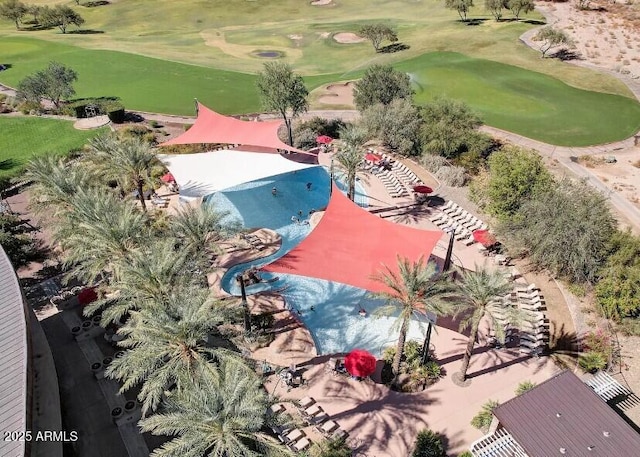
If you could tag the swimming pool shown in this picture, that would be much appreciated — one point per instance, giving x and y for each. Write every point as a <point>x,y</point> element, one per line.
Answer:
<point>328,309</point>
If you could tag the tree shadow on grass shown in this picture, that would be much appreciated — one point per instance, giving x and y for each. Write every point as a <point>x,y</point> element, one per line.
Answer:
<point>395,47</point>
<point>96,3</point>
<point>85,32</point>
<point>5,66</point>
<point>534,22</point>
<point>7,164</point>
<point>35,27</point>
<point>475,21</point>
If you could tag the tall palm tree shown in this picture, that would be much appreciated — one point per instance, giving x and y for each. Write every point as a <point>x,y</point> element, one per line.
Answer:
<point>222,418</point>
<point>98,232</point>
<point>167,345</point>
<point>128,161</point>
<point>55,183</point>
<point>146,276</point>
<point>414,290</point>
<point>199,228</point>
<point>349,157</point>
<point>479,292</point>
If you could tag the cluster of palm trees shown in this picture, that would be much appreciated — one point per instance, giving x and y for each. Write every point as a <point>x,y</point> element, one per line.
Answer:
<point>151,271</point>
<point>417,288</point>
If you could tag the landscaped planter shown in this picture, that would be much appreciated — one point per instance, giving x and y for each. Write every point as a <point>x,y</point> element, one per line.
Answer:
<point>96,319</point>
<point>116,413</point>
<point>76,330</point>
<point>129,406</point>
<point>96,366</point>
<point>106,361</point>
<point>86,325</point>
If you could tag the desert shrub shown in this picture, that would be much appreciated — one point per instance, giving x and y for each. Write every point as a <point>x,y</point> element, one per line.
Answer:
<point>138,131</point>
<point>629,326</point>
<point>466,454</point>
<point>592,361</point>
<point>433,162</point>
<point>30,107</point>
<point>428,444</point>
<point>155,124</point>
<point>304,139</point>
<point>525,386</point>
<point>336,447</point>
<point>452,176</point>
<point>185,148</point>
<point>3,98</point>
<point>483,419</point>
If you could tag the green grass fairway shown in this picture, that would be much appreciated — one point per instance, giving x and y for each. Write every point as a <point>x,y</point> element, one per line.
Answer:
<point>22,138</point>
<point>507,97</point>
<point>525,102</point>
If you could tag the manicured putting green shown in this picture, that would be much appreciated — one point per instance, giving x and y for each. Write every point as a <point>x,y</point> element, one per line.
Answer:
<point>507,97</point>
<point>22,138</point>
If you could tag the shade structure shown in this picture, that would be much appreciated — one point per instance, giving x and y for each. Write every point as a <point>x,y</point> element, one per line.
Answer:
<point>215,128</point>
<point>484,238</point>
<point>350,245</point>
<point>360,363</point>
<point>372,157</point>
<point>202,174</point>
<point>324,139</point>
<point>421,189</point>
<point>168,177</point>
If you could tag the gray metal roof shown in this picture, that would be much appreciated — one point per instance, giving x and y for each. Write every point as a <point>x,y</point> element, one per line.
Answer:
<point>564,416</point>
<point>13,359</point>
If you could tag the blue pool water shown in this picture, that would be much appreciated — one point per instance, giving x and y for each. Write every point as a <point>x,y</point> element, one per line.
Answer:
<point>328,309</point>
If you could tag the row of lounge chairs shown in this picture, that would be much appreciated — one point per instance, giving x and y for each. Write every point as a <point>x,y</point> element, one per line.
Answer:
<point>312,414</point>
<point>392,184</point>
<point>453,217</point>
<point>254,241</point>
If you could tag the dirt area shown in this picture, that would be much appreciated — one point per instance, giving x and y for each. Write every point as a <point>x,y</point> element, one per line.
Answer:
<point>622,176</point>
<point>321,2</point>
<point>602,34</point>
<point>347,38</point>
<point>337,94</point>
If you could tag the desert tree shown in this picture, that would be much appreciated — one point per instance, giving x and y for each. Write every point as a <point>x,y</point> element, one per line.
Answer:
<point>461,6</point>
<point>13,10</point>
<point>54,83</point>
<point>376,33</point>
<point>61,16</point>
<point>520,6</point>
<point>381,84</point>
<point>495,7</point>
<point>283,91</point>
<point>550,38</point>
<point>397,125</point>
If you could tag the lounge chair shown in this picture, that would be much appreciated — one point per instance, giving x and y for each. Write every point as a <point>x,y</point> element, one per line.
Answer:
<point>529,289</point>
<point>306,402</point>
<point>312,410</point>
<point>301,445</point>
<point>448,205</point>
<point>293,435</point>
<point>328,427</point>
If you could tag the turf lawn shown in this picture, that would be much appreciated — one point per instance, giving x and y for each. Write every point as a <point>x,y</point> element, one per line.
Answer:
<point>22,138</point>
<point>506,96</point>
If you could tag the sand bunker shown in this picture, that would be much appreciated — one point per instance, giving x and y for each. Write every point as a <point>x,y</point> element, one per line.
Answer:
<point>347,38</point>
<point>321,2</point>
<point>337,94</point>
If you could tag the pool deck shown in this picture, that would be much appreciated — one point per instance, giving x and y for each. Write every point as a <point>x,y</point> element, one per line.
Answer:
<point>381,422</point>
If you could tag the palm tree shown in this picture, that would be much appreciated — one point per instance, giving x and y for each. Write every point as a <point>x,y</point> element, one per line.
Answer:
<point>98,233</point>
<point>414,289</point>
<point>219,418</point>
<point>199,228</point>
<point>128,161</point>
<point>55,183</point>
<point>349,156</point>
<point>167,345</point>
<point>479,292</point>
<point>146,277</point>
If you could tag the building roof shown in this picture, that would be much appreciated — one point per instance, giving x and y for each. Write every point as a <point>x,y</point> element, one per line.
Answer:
<point>13,359</point>
<point>350,244</point>
<point>565,413</point>
<point>212,127</point>
<point>202,174</point>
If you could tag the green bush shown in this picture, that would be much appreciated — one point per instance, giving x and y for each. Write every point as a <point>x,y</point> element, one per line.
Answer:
<point>433,162</point>
<point>331,448</point>
<point>30,107</point>
<point>483,419</point>
<point>525,386</point>
<point>428,444</point>
<point>452,176</point>
<point>592,361</point>
<point>466,454</point>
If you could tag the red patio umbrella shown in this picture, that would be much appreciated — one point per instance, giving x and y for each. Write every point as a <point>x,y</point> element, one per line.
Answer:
<point>484,238</point>
<point>422,189</point>
<point>168,178</point>
<point>371,157</point>
<point>87,296</point>
<point>360,363</point>
<point>324,139</point>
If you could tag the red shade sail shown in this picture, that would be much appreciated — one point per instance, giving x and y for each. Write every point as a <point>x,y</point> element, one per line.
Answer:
<point>360,363</point>
<point>87,296</point>
<point>422,189</point>
<point>214,128</point>
<point>324,139</point>
<point>350,244</point>
<point>168,178</point>
<point>372,157</point>
<point>484,238</point>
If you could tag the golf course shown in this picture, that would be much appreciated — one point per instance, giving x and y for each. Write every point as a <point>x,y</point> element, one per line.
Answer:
<point>158,56</point>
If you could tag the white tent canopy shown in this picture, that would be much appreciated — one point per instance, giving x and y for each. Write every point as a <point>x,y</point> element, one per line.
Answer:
<point>202,174</point>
